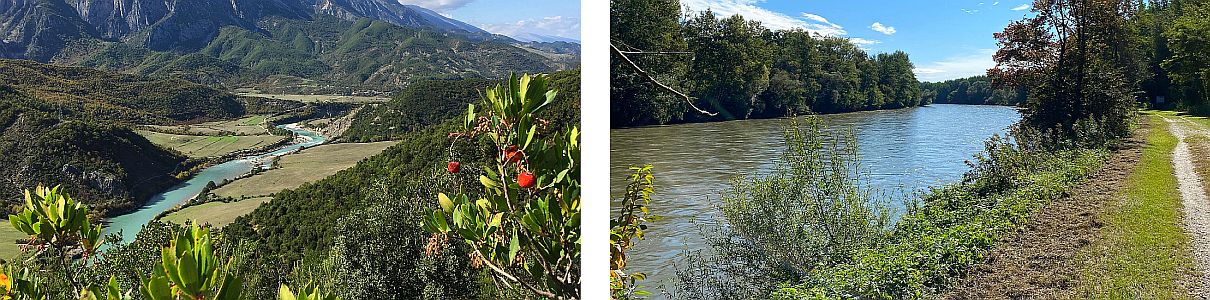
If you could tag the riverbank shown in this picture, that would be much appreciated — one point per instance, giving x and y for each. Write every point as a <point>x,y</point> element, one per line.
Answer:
<point>130,223</point>
<point>1137,229</point>
<point>1038,260</point>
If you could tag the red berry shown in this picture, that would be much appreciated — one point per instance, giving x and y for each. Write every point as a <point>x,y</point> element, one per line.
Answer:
<point>525,180</point>
<point>453,167</point>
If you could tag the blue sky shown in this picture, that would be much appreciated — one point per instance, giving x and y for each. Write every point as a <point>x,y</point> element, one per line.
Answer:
<point>946,39</point>
<point>546,17</point>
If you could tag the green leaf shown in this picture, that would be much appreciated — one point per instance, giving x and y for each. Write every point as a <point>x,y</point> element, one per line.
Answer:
<point>444,202</point>
<point>513,246</point>
<point>284,293</point>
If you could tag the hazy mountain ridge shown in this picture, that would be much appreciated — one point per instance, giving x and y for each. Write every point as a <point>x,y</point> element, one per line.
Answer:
<point>326,46</point>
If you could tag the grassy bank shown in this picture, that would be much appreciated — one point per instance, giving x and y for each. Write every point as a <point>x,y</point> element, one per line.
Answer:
<point>1143,251</point>
<point>310,165</point>
<point>952,228</point>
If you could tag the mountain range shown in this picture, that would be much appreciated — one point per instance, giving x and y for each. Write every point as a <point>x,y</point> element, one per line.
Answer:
<point>300,45</point>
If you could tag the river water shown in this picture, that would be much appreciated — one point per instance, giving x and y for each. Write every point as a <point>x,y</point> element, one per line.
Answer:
<point>902,151</point>
<point>129,224</point>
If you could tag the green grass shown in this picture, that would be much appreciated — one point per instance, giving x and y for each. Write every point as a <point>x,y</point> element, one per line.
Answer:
<point>1144,252</point>
<point>245,126</point>
<point>208,146</point>
<point>218,214</point>
<point>308,166</point>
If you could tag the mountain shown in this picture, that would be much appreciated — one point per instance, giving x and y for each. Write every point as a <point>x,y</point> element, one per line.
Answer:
<point>85,93</point>
<point>393,12</point>
<point>298,46</point>
<point>109,167</point>
<point>542,38</point>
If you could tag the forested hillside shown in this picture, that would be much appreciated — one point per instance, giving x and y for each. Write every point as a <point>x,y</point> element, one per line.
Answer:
<point>738,69</point>
<point>427,103</point>
<point>109,167</point>
<point>973,90</point>
<point>345,46</point>
<point>310,222</point>
<point>82,93</point>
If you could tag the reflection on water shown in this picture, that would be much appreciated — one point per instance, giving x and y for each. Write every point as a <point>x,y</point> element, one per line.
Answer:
<point>902,150</point>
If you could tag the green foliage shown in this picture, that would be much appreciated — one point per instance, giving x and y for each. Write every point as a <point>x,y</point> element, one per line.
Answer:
<point>189,269</point>
<point>740,69</point>
<point>82,93</point>
<point>633,214</point>
<point>1079,69</point>
<point>952,228</point>
<point>306,294</point>
<point>651,26</point>
<point>1187,64</point>
<point>972,90</point>
<point>809,212</point>
<point>109,167</point>
<point>55,219</point>
<point>525,225</point>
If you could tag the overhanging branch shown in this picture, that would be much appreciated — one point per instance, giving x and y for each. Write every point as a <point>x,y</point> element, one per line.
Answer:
<point>640,70</point>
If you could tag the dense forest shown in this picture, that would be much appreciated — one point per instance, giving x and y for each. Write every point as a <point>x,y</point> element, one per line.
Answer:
<point>665,69</point>
<point>107,96</point>
<point>109,167</point>
<point>976,90</point>
<point>429,102</point>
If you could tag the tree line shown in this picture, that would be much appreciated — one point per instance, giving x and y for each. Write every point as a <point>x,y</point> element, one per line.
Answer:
<point>976,90</point>
<point>671,68</point>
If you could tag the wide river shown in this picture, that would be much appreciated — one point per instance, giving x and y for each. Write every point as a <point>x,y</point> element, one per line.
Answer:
<point>902,151</point>
<point>130,224</point>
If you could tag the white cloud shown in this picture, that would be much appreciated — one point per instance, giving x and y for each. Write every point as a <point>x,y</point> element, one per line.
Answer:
<point>1022,7</point>
<point>995,3</point>
<point>887,30</point>
<point>864,42</point>
<point>438,5</point>
<point>970,11</point>
<point>560,26</point>
<point>771,19</point>
<point>959,66</point>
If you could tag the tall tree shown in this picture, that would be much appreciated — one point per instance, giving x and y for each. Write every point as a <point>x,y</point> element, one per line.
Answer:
<point>731,64</point>
<point>1189,41</point>
<point>1075,58</point>
<point>648,26</point>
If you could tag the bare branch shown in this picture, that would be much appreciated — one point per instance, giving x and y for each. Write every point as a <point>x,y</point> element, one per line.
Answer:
<point>640,70</point>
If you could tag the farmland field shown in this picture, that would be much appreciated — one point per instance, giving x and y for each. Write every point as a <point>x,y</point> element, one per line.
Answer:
<point>8,240</point>
<point>209,146</point>
<point>307,166</point>
<point>251,125</point>
<point>319,98</point>
<point>218,214</point>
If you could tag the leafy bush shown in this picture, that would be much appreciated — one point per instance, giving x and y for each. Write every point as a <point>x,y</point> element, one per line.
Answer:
<point>525,226</point>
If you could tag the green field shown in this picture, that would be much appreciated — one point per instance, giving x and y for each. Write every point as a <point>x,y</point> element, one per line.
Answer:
<point>296,169</point>
<point>218,214</point>
<point>8,240</point>
<point>1144,252</point>
<point>318,98</point>
<point>209,146</point>
<point>251,125</point>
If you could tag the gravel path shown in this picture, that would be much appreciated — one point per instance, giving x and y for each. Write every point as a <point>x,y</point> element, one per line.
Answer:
<point>1196,204</point>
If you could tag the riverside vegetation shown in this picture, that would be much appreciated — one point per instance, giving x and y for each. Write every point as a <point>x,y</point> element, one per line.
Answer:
<point>358,234</point>
<point>808,229</point>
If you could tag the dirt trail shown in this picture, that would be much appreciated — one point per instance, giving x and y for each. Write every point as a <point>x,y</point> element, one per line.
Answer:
<point>1036,262</point>
<point>1193,197</point>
